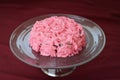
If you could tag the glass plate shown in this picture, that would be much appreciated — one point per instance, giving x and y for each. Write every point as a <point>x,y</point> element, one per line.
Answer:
<point>20,46</point>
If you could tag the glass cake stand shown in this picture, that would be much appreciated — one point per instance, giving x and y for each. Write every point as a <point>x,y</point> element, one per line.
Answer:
<point>53,66</point>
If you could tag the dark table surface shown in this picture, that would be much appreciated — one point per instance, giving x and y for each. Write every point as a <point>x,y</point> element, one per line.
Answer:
<point>105,13</point>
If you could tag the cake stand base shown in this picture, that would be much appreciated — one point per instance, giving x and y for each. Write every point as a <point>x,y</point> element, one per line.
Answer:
<point>58,72</point>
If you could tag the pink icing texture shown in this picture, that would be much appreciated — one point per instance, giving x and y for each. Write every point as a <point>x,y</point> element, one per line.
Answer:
<point>57,37</point>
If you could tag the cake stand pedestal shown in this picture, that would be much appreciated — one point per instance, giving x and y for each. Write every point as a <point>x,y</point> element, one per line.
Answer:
<point>58,72</point>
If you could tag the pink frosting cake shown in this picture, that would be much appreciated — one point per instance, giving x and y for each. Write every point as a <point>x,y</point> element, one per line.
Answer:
<point>57,37</point>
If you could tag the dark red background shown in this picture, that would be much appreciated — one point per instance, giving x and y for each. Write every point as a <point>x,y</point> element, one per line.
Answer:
<point>105,13</point>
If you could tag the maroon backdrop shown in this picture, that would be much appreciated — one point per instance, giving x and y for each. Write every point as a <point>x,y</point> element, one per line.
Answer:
<point>105,13</point>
